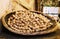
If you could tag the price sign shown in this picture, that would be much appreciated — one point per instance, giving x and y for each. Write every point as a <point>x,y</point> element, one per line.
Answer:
<point>52,11</point>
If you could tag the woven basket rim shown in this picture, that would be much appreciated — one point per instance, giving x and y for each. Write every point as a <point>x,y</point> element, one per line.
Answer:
<point>40,33</point>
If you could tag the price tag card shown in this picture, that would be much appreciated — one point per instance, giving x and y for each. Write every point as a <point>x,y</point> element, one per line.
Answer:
<point>51,10</point>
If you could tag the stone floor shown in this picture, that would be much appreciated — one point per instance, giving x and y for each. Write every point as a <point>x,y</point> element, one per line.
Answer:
<point>5,34</point>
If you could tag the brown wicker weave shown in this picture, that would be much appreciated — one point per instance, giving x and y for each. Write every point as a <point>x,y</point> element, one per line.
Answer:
<point>51,29</point>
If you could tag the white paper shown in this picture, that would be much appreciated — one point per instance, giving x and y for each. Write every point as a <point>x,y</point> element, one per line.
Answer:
<point>53,11</point>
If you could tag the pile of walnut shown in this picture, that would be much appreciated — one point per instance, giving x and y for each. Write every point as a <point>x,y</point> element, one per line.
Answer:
<point>28,22</point>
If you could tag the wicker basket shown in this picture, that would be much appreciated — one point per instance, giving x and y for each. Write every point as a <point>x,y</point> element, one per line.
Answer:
<point>4,21</point>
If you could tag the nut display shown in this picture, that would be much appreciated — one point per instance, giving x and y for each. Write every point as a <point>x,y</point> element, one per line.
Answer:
<point>27,22</point>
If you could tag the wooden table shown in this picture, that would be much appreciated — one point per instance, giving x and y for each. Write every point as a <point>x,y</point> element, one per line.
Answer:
<point>5,34</point>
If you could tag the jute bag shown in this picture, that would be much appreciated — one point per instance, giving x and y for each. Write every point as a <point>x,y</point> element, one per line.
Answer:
<point>3,7</point>
<point>9,5</point>
<point>22,5</point>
